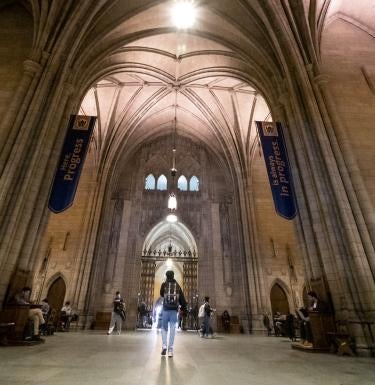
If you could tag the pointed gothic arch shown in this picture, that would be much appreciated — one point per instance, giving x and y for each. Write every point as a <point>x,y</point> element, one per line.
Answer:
<point>56,292</point>
<point>150,182</point>
<point>194,183</point>
<point>279,298</point>
<point>162,183</point>
<point>182,183</point>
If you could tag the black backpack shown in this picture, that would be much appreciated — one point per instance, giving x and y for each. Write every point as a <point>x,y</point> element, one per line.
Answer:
<point>171,294</point>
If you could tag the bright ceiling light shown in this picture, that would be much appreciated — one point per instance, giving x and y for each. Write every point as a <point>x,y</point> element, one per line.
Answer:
<point>183,14</point>
<point>172,202</point>
<point>172,218</point>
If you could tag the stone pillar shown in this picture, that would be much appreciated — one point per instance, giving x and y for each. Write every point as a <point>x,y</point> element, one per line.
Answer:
<point>335,245</point>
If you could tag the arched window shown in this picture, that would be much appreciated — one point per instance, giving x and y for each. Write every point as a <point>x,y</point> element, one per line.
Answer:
<point>150,182</point>
<point>194,183</point>
<point>182,183</point>
<point>162,182</point>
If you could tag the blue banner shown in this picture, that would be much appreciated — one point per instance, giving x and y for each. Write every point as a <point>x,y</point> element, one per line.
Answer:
<point>71,160</point>
<point>277,164</point>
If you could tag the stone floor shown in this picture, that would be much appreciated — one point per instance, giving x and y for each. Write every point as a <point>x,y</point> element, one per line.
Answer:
<point>134,358</point>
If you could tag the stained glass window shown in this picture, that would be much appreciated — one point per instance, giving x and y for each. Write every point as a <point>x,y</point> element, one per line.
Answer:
<point>150,182</point>
<point>194,183</point>
<point>162,182</point>
<point>182,183</point>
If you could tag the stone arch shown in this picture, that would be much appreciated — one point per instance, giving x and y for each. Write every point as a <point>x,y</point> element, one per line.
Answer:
<point>56,291</point>
<point>279,295</point>
<point>53,278</point>
<point>178,232</point>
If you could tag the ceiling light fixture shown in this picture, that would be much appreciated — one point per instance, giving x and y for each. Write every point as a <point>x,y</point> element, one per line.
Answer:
<point>183,14</point>
<point>172,218</point>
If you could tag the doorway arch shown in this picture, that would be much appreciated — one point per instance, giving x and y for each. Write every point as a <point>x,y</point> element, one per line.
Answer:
<point>56,293</point>
<point>279,299</point>
<point>169,246</point>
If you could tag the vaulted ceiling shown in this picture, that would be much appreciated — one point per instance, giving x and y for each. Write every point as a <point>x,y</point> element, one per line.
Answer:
<point>139,73</point>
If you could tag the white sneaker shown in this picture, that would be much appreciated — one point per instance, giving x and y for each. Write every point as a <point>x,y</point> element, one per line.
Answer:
<point>170,353</point>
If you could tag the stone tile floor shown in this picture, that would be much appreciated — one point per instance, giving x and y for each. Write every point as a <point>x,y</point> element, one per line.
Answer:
<point>93,358</point>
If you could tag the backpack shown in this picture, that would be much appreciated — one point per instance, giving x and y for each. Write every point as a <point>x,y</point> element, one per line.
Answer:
<point>171,294</point>
<point>201,311</point>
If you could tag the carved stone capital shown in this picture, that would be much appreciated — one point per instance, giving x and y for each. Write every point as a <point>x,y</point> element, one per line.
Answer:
<point>31,67</point>
<point>68,88</point>
<point>283,99</point>
<point>321,79</point>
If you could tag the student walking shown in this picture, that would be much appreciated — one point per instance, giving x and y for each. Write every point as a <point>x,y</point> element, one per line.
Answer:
<point>118,314</point>
<point>172,297</point>
<point>207,330</point>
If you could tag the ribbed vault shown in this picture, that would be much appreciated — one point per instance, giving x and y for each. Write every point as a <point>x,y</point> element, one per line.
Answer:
<point>164,234</point>
<point>143,73</point>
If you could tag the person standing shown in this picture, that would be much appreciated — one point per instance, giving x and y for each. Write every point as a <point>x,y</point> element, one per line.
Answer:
<point>118,314</point>
<point>66,316</point>
<point>207,328</point>
<point>173,296</point>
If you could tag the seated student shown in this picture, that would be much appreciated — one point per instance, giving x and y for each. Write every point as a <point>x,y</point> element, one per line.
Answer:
<point>35,314</point>
<point>279,323</point>
<point>225,318</point>
<point>45,308</point>
<point>66,315</point>
<point>267,323</point>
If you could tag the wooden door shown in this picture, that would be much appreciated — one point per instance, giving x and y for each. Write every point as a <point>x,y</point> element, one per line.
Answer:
<point>279,300</point>
<point>56,294</point>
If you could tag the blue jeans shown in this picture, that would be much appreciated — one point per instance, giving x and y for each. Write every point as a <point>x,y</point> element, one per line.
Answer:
<point>169,318</point>
<point>206,327</point>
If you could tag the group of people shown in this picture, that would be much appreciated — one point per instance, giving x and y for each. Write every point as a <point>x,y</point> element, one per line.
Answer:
<point>172,303</point>
<point>39,314</point>
<point>286,324</point>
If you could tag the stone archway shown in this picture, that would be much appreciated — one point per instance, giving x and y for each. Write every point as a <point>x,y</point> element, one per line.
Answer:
<point>279,300</point>
<point>56,293</point>
<point>169,246</point>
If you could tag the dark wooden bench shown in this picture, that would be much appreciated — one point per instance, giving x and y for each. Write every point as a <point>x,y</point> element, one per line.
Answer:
<point>5,330</point>
<point>17,315</point>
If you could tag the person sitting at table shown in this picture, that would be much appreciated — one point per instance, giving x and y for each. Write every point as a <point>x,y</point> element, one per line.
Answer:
<point>279,323</point>
<point>35,313</point>
<point>45,308</point>
<point>66,316</point>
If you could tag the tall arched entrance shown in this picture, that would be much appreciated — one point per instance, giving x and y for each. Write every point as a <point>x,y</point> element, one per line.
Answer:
<point>279,300</point>
<point>169,246</point>
<point>56,294</point>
